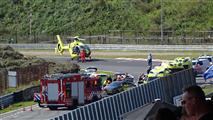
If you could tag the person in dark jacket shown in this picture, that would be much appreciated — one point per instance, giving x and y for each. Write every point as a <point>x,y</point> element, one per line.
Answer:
<point>165,114</point>
<point>149,63</point>
<point>195,104</point>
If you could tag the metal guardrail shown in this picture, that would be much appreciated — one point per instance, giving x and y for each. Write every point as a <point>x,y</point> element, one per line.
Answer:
<point>111,108</point>
<point>19,96</point>
<point>6,100</point>
<point>119,47</point>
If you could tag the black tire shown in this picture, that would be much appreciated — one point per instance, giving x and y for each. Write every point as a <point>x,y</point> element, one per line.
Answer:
<point>94,98</point>
<point>74,106</point>
<point>117,91</point>
<point>53,107</point>
<point>186,66</point>
<point>39,104</point>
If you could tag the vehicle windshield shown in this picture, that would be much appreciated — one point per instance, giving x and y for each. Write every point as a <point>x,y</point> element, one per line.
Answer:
<point>86,47</point>
<point>193,63</point>
<point>116,83</point>
<point>82,47</point>
<point>102,75</point>
<point>200,62</point>
<point>91,70</point>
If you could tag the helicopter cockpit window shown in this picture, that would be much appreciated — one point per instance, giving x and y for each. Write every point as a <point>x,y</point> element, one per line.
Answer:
<point>76,50</point>
<point>81,47</point>
<point>86,47</point>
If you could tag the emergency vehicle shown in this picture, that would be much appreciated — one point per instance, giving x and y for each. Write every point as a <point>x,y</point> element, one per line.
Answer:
<point>67,90</point>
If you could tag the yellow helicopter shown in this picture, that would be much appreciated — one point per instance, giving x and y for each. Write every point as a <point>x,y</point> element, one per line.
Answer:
<point>74,48</point>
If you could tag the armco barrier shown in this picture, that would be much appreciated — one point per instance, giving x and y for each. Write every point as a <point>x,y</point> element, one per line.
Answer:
<point>112,107</point>
<point>6,100</point>
<point>19,96</point>
<point>120,47</point>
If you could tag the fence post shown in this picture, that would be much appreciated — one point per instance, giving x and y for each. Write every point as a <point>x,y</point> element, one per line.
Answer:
<point>121,37</point>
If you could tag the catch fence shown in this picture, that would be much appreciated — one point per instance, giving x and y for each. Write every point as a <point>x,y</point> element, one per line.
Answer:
<point>120,37</point>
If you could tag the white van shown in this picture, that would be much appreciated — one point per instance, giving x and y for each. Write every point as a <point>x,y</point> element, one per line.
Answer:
<point>200,65</point>
<point>209,57</point>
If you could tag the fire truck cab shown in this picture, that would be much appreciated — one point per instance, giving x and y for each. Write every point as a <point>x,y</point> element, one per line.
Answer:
<point>66,90</point>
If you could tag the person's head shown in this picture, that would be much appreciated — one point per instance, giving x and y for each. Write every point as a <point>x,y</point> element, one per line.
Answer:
<point>165,114</point>
<point>193,96</point>
<point>118,77</point>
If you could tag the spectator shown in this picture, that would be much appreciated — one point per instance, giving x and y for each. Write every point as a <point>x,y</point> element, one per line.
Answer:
<point>165,114</point>
<point>185,116</point>
<point>195,104</point>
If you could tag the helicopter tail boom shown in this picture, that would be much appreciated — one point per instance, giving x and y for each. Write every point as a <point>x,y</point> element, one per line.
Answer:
<point>60,46</point>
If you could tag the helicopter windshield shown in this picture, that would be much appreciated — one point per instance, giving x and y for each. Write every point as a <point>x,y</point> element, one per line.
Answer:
<point>84,47</point>
<point>87,47</point>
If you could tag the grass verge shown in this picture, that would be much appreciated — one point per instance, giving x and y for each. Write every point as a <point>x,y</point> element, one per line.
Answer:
<point>208,89</point>
<point>163,55</point>
<point>17,106</point>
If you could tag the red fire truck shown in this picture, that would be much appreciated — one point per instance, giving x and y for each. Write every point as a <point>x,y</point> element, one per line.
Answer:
<point>67,90</point>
